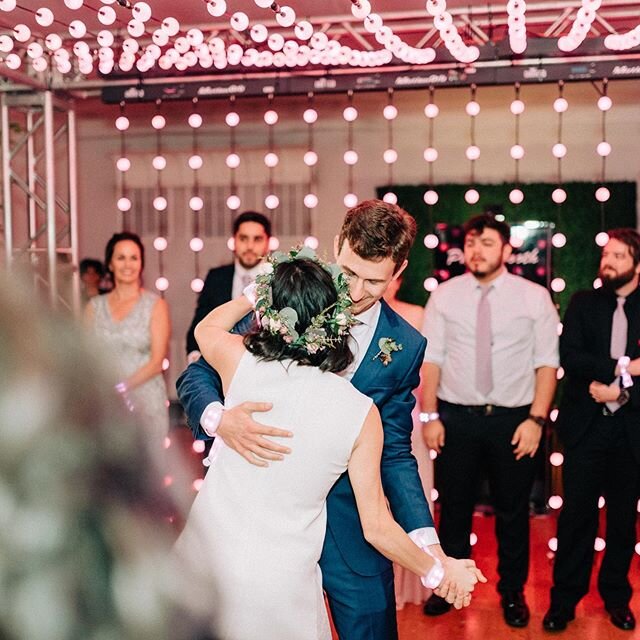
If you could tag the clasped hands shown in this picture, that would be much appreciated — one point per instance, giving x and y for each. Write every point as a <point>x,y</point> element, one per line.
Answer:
<point>601,392</point>
<point>460,578</point>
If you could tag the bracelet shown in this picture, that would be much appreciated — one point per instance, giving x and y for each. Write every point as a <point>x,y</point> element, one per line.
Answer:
<point>435,575</point>
<point>539,420</point>
<point>623,363</point>
<point>428,416</point>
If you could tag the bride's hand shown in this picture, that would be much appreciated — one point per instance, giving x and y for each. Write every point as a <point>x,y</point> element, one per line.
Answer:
<point>459,580</point>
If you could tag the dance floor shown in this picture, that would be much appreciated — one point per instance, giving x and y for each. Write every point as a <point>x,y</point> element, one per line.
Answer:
<point>483,619</point>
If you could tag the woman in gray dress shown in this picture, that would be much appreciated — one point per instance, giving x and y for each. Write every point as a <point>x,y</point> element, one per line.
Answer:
<point>134,325</point>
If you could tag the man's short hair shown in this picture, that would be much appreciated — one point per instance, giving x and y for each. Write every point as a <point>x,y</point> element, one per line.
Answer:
<point>377,230</point>
<point>91,263</point>
<point>478,224</point>
<point>252,216</point>
<point>631,238</point>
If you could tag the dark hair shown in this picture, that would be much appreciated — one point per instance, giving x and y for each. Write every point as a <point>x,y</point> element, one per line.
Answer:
<point>119,237</point>
<point>308,288</point>
<point>252,216</point>
<point>377,230</point>
<point>631,238</point>
<point>478,224</point>
<point>91,263</point>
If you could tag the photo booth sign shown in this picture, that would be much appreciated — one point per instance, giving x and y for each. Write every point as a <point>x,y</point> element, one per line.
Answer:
<point>531,257</point>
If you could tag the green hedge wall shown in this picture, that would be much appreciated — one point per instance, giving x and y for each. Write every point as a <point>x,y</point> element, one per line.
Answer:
<point>580,218</point>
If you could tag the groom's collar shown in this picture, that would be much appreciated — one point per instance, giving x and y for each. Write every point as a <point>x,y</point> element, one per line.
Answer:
<point>370,316</point>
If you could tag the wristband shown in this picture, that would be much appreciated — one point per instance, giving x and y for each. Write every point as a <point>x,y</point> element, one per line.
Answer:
<point>211,417</point>
<point>623,363</point>
<point>539,420</point>
<point>430,416</point>
<point>433,579</point>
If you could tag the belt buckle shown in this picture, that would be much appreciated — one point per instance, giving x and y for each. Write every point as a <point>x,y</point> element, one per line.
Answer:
<point>488,410</point>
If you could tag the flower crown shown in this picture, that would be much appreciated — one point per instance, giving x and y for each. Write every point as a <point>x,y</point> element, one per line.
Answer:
<point>326,328</point>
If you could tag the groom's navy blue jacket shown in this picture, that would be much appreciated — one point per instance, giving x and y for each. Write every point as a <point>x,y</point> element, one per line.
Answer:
<point>391,388</point>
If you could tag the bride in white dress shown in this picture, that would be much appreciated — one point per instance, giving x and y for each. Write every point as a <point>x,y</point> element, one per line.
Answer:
<point>254,535</point>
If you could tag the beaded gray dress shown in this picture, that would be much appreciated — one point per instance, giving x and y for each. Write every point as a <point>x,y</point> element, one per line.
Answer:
<point>128,341</point>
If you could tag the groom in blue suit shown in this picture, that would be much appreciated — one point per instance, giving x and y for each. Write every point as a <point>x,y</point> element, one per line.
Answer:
<point>372,249</point>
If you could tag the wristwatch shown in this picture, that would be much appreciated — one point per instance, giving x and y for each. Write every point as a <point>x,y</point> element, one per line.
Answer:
<point>539,420</point>
<point>623,398</point>
<point>428,416</point>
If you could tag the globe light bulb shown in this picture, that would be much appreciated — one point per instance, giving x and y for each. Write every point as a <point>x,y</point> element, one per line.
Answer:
<point>350,200</point>
<point>517,152</point>
<point>310,116</point>
<point>197,284</point>
<point>311,200</point>
<point>271,160</point>
<point>195,162</point>
<point>350,114</point>
<point>350,157</point>
<point>159,203</point>
<point>516,196</point>
<point>195,120</point>
<point>556,459</point>
<point>124,204</point>
<point>160,243</point>
<point>430,154</point>
<point>472,152</point>
<point>123,164</point>
<point>232,119</point>
<point>604,103</point>
<point>471,196</point>
<point>233,202</point>
<point>233,161</point>
<point>271,201</point>
<point>602,238</point>
<point>159,163</point>
<point>603,149</point>
<point>390,156</point>
<point>517,107</point>
<point>559,195</point>
<point>602,194</point>
<point>558,240</point>
<point>558,285</point>
<point>430,284</point>
<point>162,284</point>
<point>472,108</point>
<point>431,110</point>
<point>310,158</point>
<point>196,203</point>
<point>158,122</point>
<point>312,242</point>
<point>390,112</point>
<point>271,117</point>
<point>390,198</point>
<point>430,197</point>
<point>560,105</point>
<point>431,241</point>
<point>559,150</point>
<point>196,244</point>
<point>122,123</point>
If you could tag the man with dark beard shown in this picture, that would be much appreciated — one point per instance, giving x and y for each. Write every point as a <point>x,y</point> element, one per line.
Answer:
<point>489,376</point>
<point>599,424</point>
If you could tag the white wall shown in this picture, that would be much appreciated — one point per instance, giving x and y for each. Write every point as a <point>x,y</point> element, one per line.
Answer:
<point>98,146</point>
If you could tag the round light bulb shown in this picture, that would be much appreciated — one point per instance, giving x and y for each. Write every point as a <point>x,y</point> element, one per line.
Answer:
<point>390,198</point>
<point>602,194</point>
<point>124,204</point>
<point>271,201</point>
<point>559,195</point>
<point>123,164</point>
<point>430,154</point>
<point>559,150</point>
<point>271,160</point>
<point>517,152</point>
<point>44,17</point>
<point>197,284</point>
<point>472,152</point>
<point>159,203</point>
<point>516,196</point>
<point>430,197</point>
<point>553,544</point>
<point>274,243</point>
<point>232,119</point>
<point>122,123</point>
<point>431,241</point>
<point>159,163</point>
<point>196,244</point>
<point>350,114</point>
<point>558,285</point>
<point>517,107</point>
<point>310,158</point>
<point>471,196</point>
<point>233,161</point>
<point>431,110</point>
<point>603,149</point>
<point>233,202</point>
<point>271,117</point>
<point>560,105</point>
<point>160,243</point>
<point>195,162</point>
<point>558,240</point>
<point>196,203</point>
<point>311,200</point>
<point>350,157</point>
<point>350,200</point>
<point>239,21</point>
<point>390,156</point>
<point>555,502</point>
<point>430,284</point>
<point>602,238</point>
<point>390,112</point>
<point>158,122</point>
<point>310,116</point>
<point>556,459</point>
<point>604,103</point>
<point>162,284</point>
<point>312,242</point>
<point>472,108</point>
<point>195,120</point>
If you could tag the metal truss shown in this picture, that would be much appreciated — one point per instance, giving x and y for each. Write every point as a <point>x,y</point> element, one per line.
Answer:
<point>39,192</point>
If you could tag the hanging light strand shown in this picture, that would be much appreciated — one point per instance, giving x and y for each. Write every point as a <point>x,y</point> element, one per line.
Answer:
<point>196,200</point>
<point>390,155</point>
<point>516,196</point>
<point>123,165</point>
<point>559,150</point>
<point>160,201</point>
<point>310,116</point>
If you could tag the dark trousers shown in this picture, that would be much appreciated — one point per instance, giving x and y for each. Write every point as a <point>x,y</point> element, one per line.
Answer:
<point>472,442</point>
<point>362,607</point>
<point>601,464</point>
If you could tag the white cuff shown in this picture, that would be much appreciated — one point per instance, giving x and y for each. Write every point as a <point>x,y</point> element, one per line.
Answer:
<point>424,537</point>
<point>193,356</point>
<point>249,293</point>
<point>210,418</point>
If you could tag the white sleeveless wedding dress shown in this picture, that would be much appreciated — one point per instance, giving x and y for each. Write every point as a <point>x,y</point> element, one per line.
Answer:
<point>254,535</point>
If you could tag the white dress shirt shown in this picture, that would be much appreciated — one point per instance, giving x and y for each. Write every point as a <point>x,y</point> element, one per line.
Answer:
<point>242,277</point>
<point>360,337</point>
<point>524,325</point>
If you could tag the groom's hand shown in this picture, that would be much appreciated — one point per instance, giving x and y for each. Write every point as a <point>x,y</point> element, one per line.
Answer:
<point>244,435</point>
<point>459,580</point>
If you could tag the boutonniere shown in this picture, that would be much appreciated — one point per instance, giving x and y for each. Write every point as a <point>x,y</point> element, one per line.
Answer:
<point>387,346</point>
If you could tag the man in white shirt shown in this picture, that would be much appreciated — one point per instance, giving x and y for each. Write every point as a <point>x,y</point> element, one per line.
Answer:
<point>251,233</point>
<point>489,377</point>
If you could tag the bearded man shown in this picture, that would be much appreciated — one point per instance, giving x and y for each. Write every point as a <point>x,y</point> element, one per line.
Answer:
<point>598,425</point>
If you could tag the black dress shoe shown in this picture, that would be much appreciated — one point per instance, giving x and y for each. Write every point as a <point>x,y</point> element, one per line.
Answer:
<point>622,617</point>
<point>515,609</point>
<point>557,618</point>
<point>436,606</point>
